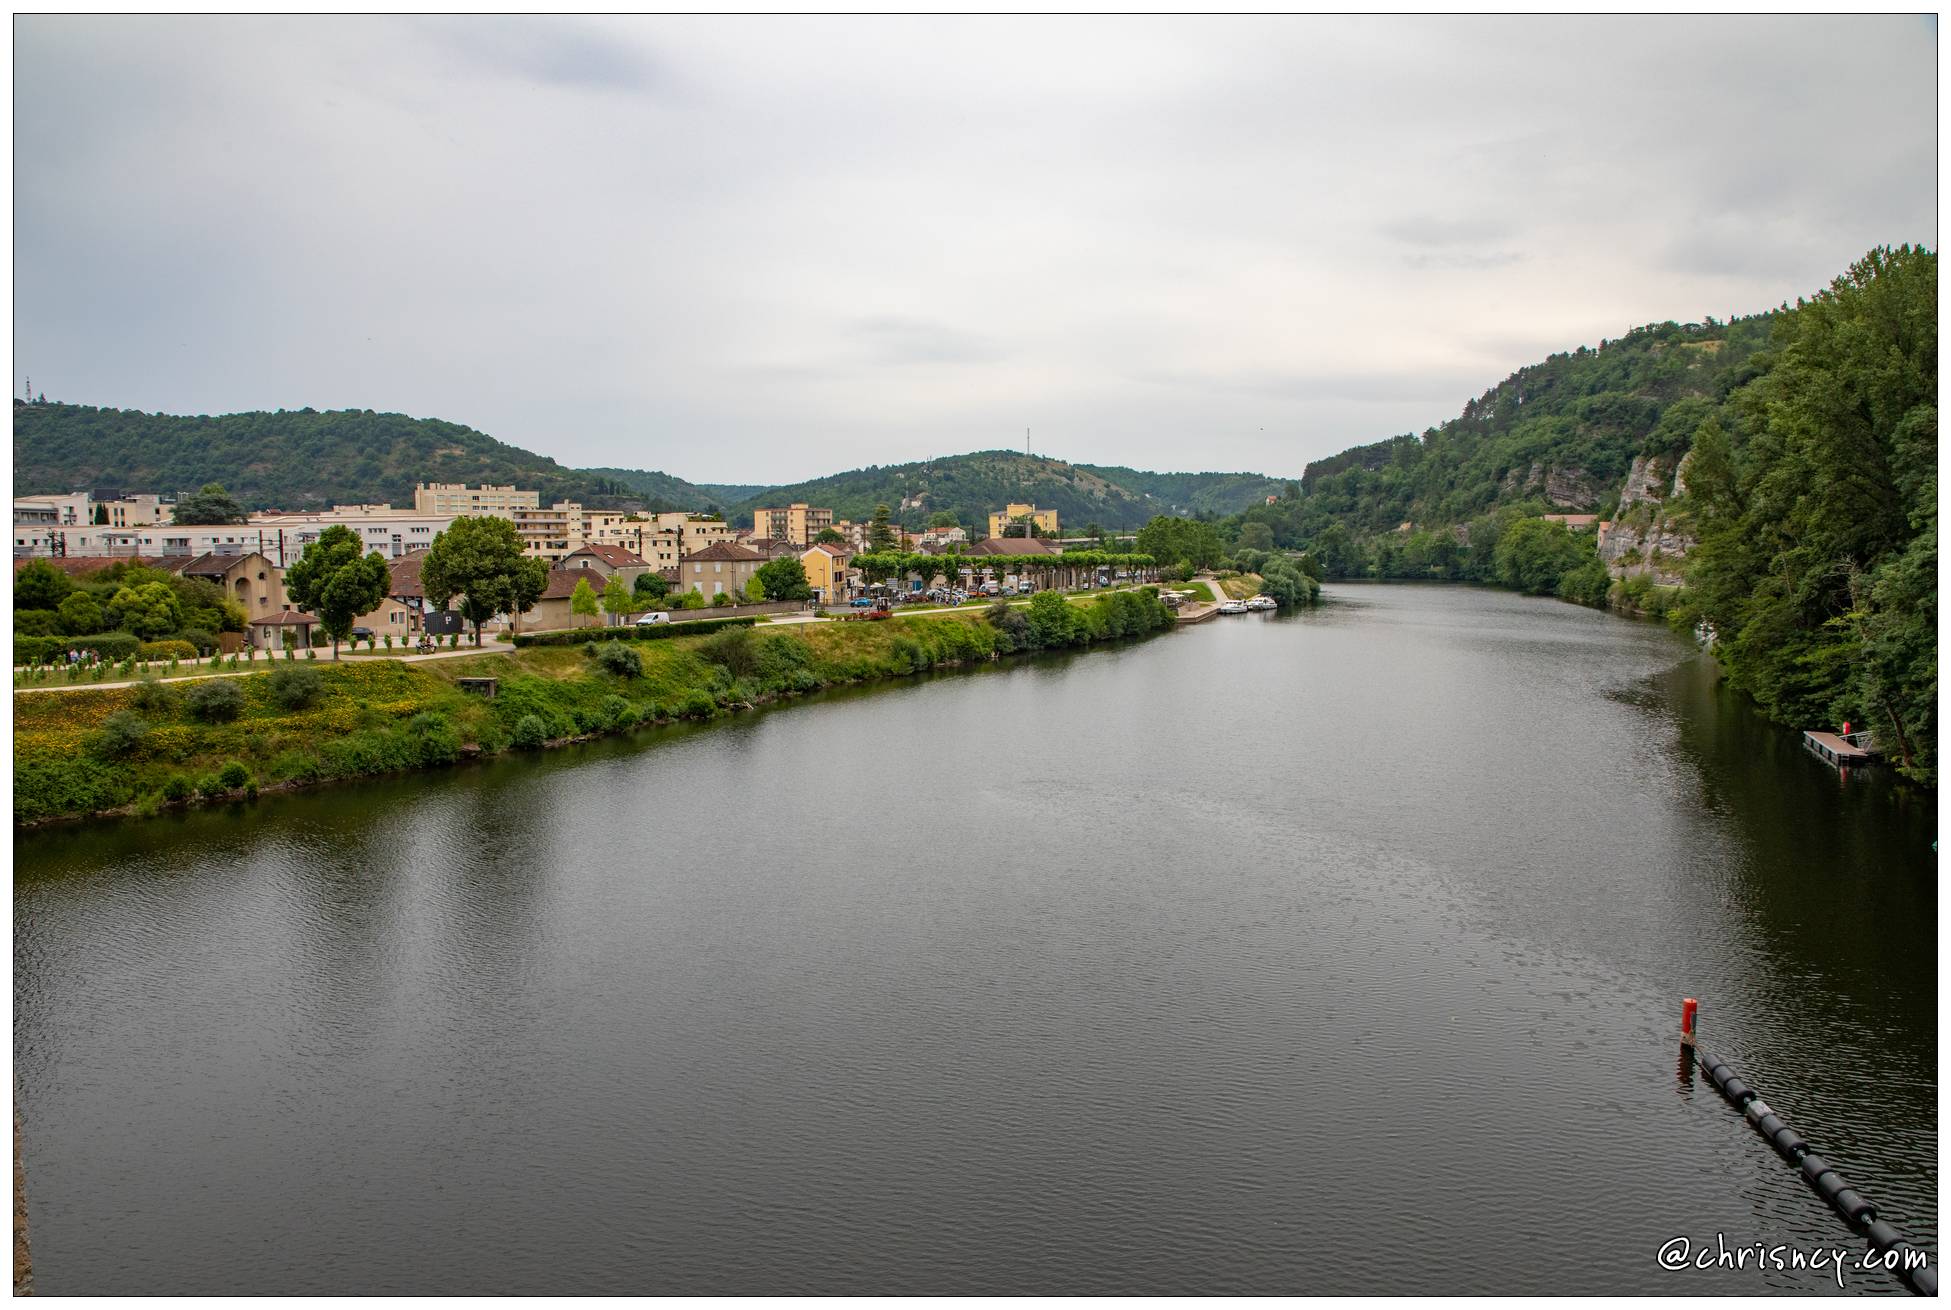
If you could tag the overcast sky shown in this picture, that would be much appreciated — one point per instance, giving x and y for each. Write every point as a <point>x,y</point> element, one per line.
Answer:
<point>758,250</point>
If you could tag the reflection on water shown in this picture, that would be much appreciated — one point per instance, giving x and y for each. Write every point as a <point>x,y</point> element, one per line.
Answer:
<point>1340,952</point>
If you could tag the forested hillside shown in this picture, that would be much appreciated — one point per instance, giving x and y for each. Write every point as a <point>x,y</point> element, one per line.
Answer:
<point>1787,461</point>
<point>970,487</point>
<point>294,459</point>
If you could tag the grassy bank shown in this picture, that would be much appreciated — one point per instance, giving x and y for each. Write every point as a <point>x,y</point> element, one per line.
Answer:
<point>142,748</point>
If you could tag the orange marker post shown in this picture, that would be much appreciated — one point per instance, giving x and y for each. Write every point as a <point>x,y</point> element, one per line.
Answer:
<point>1689,1012</point>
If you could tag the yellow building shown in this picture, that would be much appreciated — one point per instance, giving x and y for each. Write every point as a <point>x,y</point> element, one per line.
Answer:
<point>798,523</point>
<point>1045,519</point>
<point>826,572</point>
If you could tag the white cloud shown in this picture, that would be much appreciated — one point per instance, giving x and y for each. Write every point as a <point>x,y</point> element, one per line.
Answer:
<point>764,249</point>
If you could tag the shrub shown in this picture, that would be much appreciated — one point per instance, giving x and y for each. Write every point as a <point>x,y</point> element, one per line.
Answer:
<point>234,775</point>
<point>617,658</point>
<point>296,687</point>
<point>732,650</point>
<point>697,705</point>
<point>530,732</point>
<point>37,623</point>
<point>154,696</point>
<point>208,786</point>
<point>166,650</point>
<point>178,788</point>
<point>120,734</point>
<point>722,599</point>
<point>110,646</point>
<point>202,640</point>
<point>618,711</point>
<point>438,740</point>
<point>215,700</point>
<point>297,766</point>
<point>654,632</point>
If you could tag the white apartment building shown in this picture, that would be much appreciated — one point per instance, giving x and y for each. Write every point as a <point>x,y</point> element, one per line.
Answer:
<point>280,538</point>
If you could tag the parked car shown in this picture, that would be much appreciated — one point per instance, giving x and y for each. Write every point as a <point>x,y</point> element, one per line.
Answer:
<point>861,602</point>
<point>991,589</point>
<point>1026,588</point>
<point>655,616</point>
<point>361,634</point>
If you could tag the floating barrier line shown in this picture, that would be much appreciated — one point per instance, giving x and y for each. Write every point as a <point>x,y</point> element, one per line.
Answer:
<point>1856,1209</point>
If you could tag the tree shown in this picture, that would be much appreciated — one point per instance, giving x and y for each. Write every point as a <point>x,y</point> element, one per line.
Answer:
<point>211,505</point>
<point>784,579</point>
<point>880,537</point>
<point>944,518</point>
<point>617,600</point>
<point>1255,536</point>
<point>334,581</point>
<point>148,610</point>
<point>40,586</point>
<point>480,559</point>
<point>80,614</point>
<point>582,601</point>
<point>755,590</point>
<point>650,586</point>
<point>830,537</point>
<point>101,516</point>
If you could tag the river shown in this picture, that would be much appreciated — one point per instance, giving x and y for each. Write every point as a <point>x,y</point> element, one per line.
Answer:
<point>1340,952</point>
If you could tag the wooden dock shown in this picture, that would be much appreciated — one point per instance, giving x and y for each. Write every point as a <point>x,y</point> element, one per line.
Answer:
<point>1841,751</point>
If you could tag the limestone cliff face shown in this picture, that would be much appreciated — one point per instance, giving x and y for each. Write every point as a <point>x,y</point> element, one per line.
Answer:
<point>1648,536</point>
<point>1570,487</point>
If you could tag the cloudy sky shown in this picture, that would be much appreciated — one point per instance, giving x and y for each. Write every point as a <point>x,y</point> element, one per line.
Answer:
<point>757,250</point>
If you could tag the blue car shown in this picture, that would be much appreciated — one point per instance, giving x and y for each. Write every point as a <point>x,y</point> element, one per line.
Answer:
<point>861,603</point>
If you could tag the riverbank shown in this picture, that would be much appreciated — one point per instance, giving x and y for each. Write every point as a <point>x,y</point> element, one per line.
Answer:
<point>140,749</point>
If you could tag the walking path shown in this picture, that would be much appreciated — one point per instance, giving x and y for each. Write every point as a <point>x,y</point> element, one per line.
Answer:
<point>265,666</point>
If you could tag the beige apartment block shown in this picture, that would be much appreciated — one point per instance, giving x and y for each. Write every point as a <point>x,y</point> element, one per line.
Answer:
<point>550,532</point>
<point>798,523</point>
<point>456,498</point>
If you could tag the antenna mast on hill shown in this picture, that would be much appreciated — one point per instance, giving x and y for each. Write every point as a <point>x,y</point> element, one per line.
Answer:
<point>1026,441</point>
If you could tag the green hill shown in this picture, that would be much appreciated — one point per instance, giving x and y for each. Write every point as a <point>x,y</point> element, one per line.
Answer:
<point>1555,436</point>
<point>298,459</point>
<point>973,486</point>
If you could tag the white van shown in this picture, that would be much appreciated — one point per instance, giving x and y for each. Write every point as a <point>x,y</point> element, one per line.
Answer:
<point>655,616</point>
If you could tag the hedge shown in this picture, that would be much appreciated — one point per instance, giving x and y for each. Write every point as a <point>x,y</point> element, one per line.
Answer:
<point>635,632</point>
<point>166,650</point>
<point>111,646</point>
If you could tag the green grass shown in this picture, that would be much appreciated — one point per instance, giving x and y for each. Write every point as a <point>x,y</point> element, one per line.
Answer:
<point>374,716</point>
<point>1199,590</point>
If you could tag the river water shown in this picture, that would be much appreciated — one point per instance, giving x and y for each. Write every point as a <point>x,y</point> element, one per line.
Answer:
<point>1340,952</point>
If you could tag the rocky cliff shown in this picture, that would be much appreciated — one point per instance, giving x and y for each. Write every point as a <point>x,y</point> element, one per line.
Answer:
<point>1652,531</point>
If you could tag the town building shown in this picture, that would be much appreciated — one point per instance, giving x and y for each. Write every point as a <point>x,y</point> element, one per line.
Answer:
<point>1044,519</point>
<point>798,523</point>
<point>137,511</point>
<point>827,572</point>
<point>606,562</point>
<point>549,532</point>
<point>721,567</point>
<point>457,498</point>
<point>250,579</point>
<point>76,509</point>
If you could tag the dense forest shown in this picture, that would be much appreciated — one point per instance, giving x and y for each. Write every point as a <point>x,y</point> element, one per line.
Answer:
<point>971,487</point>
<point>298,459</point>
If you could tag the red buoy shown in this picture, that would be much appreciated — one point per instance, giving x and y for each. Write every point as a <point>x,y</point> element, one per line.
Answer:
<point>1689,1008</point>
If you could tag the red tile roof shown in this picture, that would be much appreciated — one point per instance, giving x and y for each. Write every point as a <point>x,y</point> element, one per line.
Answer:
<point>724,550</point>
<point>617,557</point>
<point>286,619</point>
